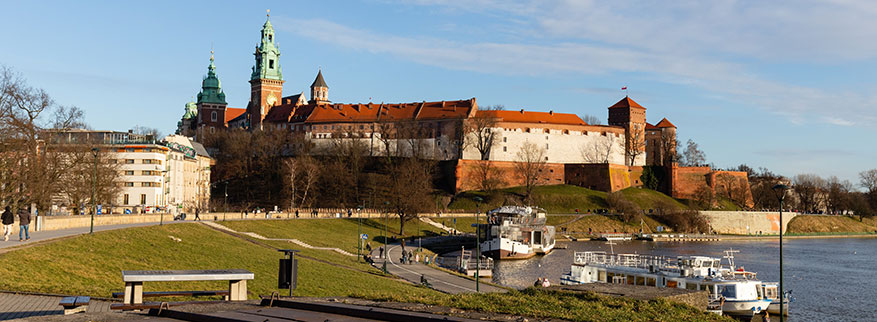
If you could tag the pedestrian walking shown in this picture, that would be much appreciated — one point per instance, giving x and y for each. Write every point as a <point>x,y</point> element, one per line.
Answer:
<point>417,258</point>
<point>545,282</point>
<point>23,224</point>
<point>349,213</point>
<point>7,219</point>
<point>368,246</point>
<point>381,252</point>
<point>197,212</point>
<point>296,213</point>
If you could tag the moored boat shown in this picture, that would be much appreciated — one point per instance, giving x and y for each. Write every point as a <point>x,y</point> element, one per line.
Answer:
<point>733,290</point>
<point>514,232</point>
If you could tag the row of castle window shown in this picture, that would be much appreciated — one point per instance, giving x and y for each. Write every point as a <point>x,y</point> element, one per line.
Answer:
<point>144,161</point>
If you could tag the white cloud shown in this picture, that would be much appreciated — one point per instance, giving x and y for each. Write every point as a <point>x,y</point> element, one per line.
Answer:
<point>674,43</point>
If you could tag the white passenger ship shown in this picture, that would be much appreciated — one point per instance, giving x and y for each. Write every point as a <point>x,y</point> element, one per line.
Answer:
<point>514,232</point>
<point>736,290</point>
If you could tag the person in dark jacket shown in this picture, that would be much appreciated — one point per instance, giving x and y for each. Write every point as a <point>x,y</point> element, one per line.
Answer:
<point>23,224</point>
<point>7,219</point>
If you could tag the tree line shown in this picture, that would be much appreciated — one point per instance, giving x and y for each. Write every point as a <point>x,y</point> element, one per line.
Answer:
<point>38,170</point>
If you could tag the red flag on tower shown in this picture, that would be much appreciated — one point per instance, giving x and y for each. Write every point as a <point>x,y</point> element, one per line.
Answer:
<point>624,88</point>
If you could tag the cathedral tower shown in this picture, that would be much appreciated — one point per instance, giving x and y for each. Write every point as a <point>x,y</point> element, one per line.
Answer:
<point>266,82</point>
<point>632,116</point>
<point>319,90</point>
<point>211,101</point>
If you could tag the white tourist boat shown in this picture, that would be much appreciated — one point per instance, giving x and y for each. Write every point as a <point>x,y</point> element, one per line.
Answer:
<point>771,292</point>
<point>514,232</point>
<point>737,291</point>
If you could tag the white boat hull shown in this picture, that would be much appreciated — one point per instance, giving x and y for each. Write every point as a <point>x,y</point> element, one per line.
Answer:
<point>774,308</point>
<point>745,308</point>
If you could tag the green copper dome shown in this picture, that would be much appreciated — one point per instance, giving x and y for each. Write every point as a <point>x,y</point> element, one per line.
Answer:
<point>191,111</point>
<point>211,88</point>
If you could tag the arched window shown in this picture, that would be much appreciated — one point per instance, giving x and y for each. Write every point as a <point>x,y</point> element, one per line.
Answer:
<point>213,116</point>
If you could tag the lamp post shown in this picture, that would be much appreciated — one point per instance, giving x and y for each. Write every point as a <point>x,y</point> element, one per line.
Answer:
<point>359,234</point>
<point>94,151</point>
<point>477,245</point>
<point>780,191</point>
<point>386,243</point>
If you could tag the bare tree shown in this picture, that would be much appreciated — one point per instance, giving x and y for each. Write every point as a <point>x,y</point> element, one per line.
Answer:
<point>487,177</point>
<point>868,180</point>
<point>838,198</point>
<point>147,131</point>
<point>809,189</point>
<point>591,119</point>
<point>733,188</point>
<point>302,173</point>
<point>597,150</point>
<point>530,166</point>
<point>411,189</point>
<point>693,156</point>
<point>635,146</point>
<point>82,169</point>
<point>480,131</point>
<point>667,148</point>
<point>69,117</point>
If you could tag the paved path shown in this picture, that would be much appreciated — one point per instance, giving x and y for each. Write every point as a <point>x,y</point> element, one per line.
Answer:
<point>38,236</point>
<point>440,280</point>
<point>16,306</point>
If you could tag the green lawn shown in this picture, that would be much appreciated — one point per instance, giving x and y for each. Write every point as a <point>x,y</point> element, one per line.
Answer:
<point>92,264</point>
<point>561,199</point>
<point>338,233</point>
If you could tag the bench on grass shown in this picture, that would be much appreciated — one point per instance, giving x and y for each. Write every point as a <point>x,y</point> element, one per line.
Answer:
<point>74,304</point>
<point>133,295</point>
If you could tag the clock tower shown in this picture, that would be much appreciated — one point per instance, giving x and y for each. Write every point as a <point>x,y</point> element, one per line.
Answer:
<point>266,82</point>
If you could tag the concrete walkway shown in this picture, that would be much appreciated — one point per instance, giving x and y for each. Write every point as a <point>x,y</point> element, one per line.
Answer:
<point>440,280</point>
<point>16,306</point>
<point>40,236</point>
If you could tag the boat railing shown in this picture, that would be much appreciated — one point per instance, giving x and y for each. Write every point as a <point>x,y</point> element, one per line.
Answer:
<point>627,260</point>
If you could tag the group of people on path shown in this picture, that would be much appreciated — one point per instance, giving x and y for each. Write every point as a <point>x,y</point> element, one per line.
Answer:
<point>8,219</point>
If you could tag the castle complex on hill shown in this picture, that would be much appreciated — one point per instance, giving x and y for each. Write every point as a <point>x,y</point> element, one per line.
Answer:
<point>603,157</point>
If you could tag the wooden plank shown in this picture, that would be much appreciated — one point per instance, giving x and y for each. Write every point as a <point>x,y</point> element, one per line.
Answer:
<point>187,275</point>
<point>154,305</point>
<point>82,300</point>
<point>177,293</point>
<point>67,301</point>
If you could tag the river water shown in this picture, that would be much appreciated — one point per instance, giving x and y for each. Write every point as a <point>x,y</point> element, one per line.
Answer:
<point>831,279</point>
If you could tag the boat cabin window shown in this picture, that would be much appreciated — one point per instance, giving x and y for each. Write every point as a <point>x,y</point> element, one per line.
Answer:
<point>770,292</point>
<point>631,279</point>
<point>671,284</point>
<point>650,281</point>
<point>640,280</point>
<point>728,291</point>
<point>601,276</point>
<point>690,286</point>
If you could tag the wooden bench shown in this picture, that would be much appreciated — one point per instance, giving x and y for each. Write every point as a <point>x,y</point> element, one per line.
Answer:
<point>224,293</point>
<point>237,281</point>
<point>153,305</point>
<point>74,304</point>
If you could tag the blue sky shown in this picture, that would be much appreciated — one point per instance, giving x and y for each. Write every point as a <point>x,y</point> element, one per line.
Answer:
<point>777,84</point>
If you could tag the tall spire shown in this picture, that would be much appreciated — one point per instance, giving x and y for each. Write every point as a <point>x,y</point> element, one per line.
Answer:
<point>211,87</point>
<point>267,63</point>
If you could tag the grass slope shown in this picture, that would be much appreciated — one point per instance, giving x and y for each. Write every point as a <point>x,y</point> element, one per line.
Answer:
<point>92,264</point>
<point>815,224</point>
<point>562,199</point>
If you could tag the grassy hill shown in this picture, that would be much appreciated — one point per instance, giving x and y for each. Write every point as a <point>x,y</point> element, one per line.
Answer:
<point>818,224</point>
<point>561,199</point>
<point>91,265</point>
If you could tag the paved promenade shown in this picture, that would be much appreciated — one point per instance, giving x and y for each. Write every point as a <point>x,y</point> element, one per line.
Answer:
<point>38,236</point>
<point>16,306</point>
<point>439,280</point>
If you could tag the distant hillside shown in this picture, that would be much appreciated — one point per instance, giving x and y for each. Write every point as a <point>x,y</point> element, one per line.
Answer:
<point>561,199</point>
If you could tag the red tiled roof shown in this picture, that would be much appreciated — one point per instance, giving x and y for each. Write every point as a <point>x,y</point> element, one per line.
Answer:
<point>535,117</point>
<point>665,123</point>
<point>232,112</point>
<point>280,113</point>
<point>649,126</point>
<point>625,103</point>
<point>389,112</point>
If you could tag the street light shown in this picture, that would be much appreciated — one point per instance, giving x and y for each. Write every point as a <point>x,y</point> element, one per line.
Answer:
<point>94,151</point>
<point>478,201</point>
<point>780,191</point>
<point>386,224</point>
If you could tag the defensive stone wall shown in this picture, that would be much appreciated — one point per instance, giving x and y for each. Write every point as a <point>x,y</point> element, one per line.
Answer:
<point>468,172</point>
<point>686,181</point>
<point>603,177</point>
<point>748,222</point>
